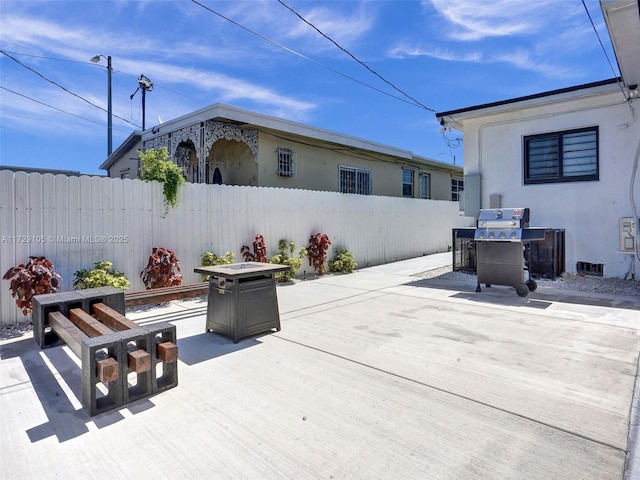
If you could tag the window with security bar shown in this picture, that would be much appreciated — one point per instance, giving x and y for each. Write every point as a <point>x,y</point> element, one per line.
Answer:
<point>286,162</point>
<point>355,180</point>
<point>569,156</point>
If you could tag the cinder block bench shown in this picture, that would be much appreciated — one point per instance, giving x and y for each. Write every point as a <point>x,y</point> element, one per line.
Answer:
<point>121,361</point>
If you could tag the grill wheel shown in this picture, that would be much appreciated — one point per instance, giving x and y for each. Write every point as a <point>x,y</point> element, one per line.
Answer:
<point>522,290</point>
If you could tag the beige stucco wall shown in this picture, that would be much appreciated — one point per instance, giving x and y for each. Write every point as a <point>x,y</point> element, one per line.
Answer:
<point>128,165</point>
<point>317,168</point>
<point>317,164</point>
<point>235,161</point>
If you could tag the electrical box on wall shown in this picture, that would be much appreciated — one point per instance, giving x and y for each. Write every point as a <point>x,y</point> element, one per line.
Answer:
<point>472,194</point>
<point>627,232</point>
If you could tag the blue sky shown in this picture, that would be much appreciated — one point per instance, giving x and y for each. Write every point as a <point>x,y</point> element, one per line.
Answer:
<point>446,54</point>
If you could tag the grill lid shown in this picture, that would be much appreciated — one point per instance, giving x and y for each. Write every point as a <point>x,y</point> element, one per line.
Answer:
<point>502,224</point>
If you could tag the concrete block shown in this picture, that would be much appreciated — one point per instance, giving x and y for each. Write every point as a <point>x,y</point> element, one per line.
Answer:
<point>42,306</point>
<point>110,296</point>
<point>138,374</point>
<point>100,397</point>
<point>164,373</point>
<point>69,300</point>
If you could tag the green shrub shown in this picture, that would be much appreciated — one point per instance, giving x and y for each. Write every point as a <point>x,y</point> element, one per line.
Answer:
<point>209,259</point>
<point>156,165</point>
<point>343,261</point>
<point>102,275</point>
<point>283,257</point>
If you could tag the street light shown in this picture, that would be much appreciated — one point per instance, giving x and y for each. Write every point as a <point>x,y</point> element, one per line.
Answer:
<point>96,59</point>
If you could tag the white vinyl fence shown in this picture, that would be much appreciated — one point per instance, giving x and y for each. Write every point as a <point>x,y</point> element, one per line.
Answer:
<point>77,221</point>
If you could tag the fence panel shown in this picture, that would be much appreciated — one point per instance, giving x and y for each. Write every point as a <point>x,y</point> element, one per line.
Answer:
<point>77,221</point>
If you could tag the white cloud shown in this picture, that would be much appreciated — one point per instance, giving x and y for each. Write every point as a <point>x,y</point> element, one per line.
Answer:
<point>403,51</point>
<point>344,29</point>
<point>80,43</point>
<point>475,20</point>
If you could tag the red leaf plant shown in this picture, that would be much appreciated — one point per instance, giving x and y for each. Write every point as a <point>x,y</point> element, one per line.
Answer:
<point>37,277</point>
<point>259,251</point>
<point>317,252</point>
<point>162,270</point>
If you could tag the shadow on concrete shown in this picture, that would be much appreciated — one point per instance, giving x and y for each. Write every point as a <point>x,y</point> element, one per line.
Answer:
<point>171,317</point>
<point>541,298</point>
<point>64,420</point>
<point>206,346</point>
<point>481,297</point>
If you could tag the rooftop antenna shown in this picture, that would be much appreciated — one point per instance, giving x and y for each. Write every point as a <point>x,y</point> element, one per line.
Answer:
<point>145,85</point>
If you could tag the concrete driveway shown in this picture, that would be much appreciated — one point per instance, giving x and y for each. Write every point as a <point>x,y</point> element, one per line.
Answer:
<point>376,374</point>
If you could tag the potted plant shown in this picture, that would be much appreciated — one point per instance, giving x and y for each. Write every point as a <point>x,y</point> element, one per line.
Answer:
<point>36,277</point>
<point>208,259</point>
<point>317,252</point>
<point>102,275</point>
<point>259,253</point>
<point>284,257</point>
<point>162,270</point>
<point>342,261</point>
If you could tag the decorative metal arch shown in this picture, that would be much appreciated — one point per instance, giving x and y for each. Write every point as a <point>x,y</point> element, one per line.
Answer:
<point>190,132</point>
<point>181,158</point>
<point>157,142</point>
<point>214,131</point>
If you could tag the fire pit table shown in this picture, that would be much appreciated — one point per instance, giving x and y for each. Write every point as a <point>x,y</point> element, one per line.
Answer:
<point>242,298</point>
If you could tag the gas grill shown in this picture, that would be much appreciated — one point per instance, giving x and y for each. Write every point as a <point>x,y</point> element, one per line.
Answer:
<point>501,237</point>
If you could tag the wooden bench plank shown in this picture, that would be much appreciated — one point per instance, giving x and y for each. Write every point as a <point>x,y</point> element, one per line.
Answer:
<point>106,368</point>
<point>67,331</point>
<point>113,319</point>
<point>89,325</point>
<point>165,294</point>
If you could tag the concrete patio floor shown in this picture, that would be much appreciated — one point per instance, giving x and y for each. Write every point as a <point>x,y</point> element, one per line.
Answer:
<point>375,374</point>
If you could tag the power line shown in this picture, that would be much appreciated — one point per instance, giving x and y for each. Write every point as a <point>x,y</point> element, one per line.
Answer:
<point>355,58</point>
<point>284,47</point>
<point>50,106</point>
<point>602,46</point>
<point>63,88</point>
<point>42,56</point>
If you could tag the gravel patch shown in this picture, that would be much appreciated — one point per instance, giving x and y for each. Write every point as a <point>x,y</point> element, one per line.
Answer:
<point>568,281</point>
<point>13,331</point>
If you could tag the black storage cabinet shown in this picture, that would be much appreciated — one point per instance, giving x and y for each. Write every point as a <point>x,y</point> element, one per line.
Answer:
<point>547,257</point>
<point>242,299</point>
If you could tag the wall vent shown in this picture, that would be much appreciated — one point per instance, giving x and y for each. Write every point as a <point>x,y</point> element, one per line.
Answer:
<point>594,269</point>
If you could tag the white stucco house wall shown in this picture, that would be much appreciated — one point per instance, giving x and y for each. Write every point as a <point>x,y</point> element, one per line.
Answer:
<point>570,155</point>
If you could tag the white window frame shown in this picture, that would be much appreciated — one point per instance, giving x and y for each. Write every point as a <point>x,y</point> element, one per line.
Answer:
<point>410,184</point>
<point>286,162</point>
<point>361,182</point>
<point>425,187</point>
<point>457,187</point>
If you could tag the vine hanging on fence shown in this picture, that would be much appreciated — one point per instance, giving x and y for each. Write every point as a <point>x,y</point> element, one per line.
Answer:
<point>156,165</point>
